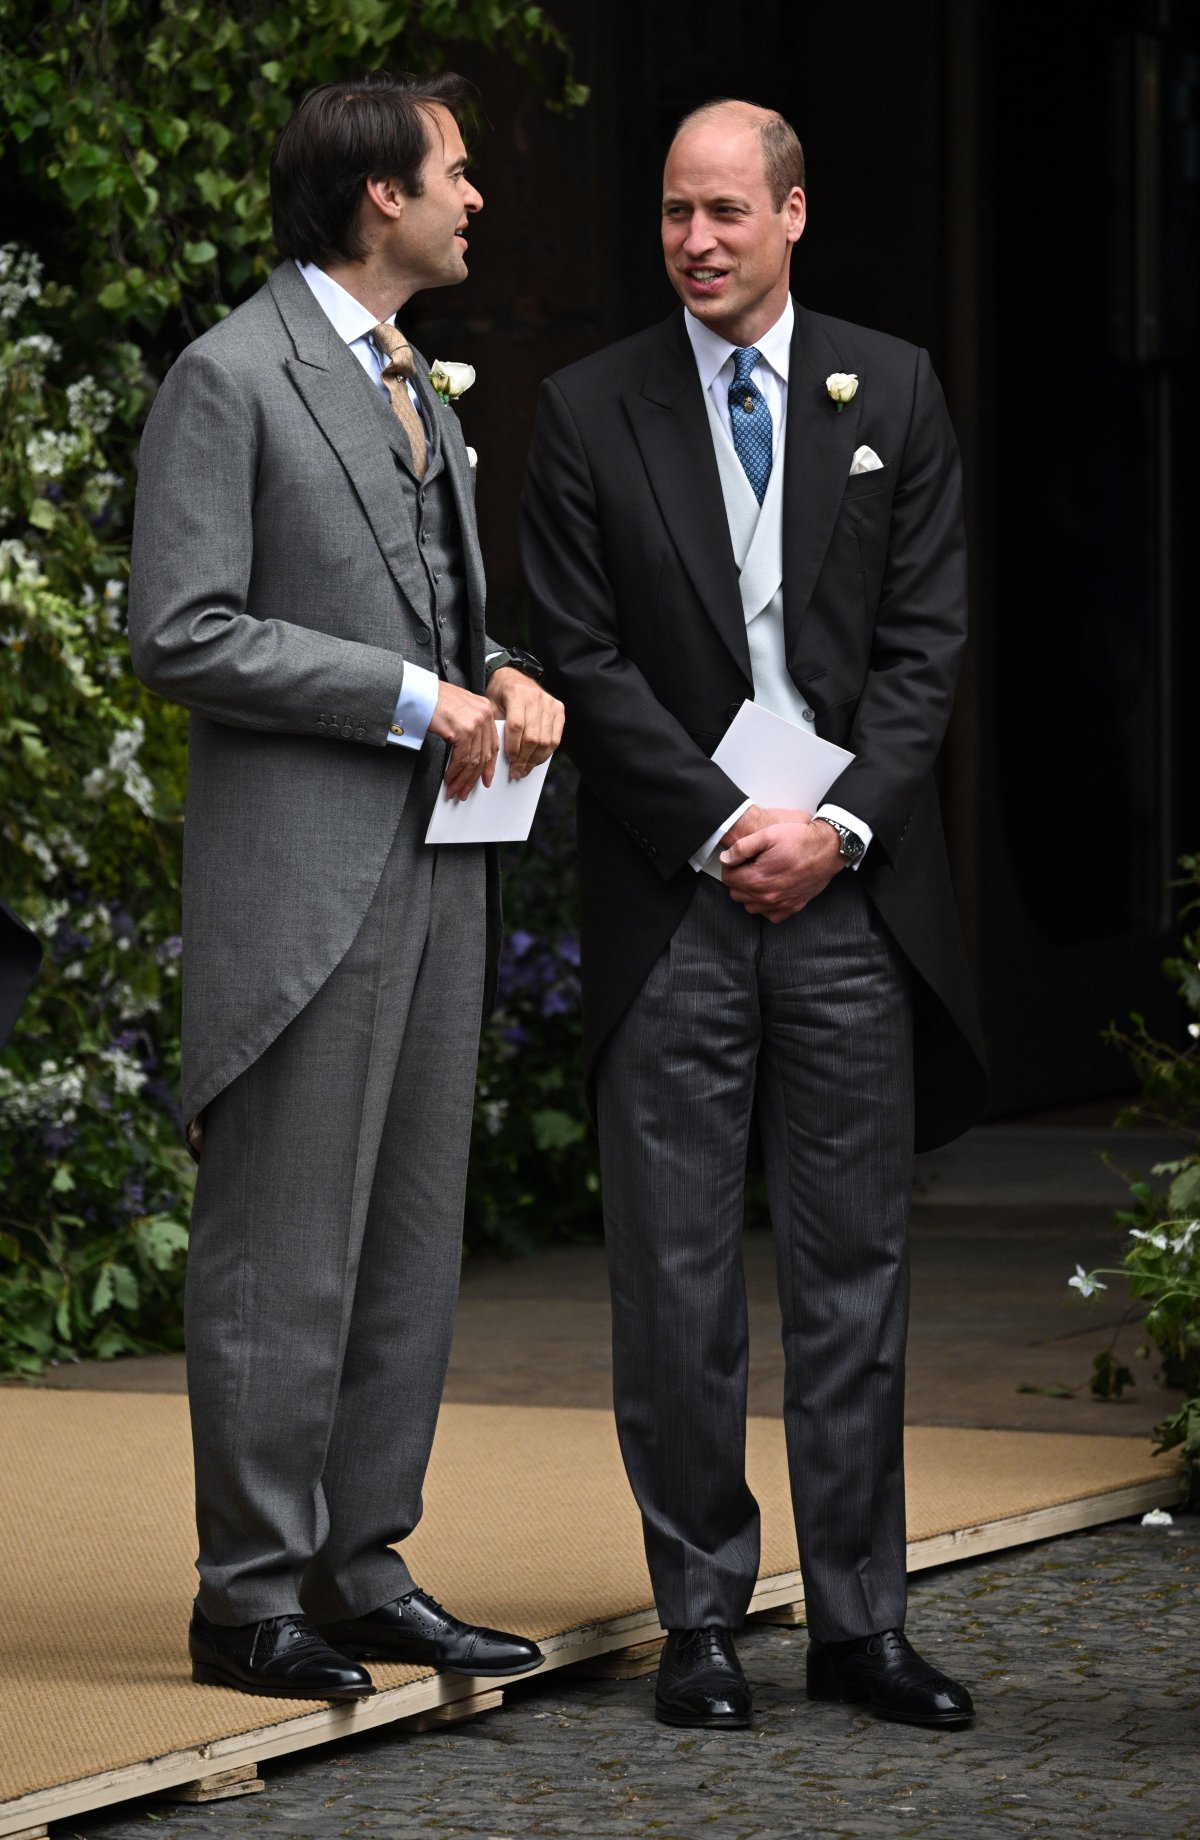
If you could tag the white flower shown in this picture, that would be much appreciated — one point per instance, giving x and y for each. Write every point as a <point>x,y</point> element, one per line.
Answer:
<point>451,380</point>
<point>128,1077</point>
<point>1158,1517</point>
<point>20,280</point>
<point>842,386</point>
<point>89,406</point>
<point>1084,1284</point>
<point>1183,1243</point>
<point>1194,1030</point>
<point>1156,1239</point>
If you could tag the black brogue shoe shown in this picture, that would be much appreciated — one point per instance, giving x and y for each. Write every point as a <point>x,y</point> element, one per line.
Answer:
<point>415,1628</point>
<point>700,1682</point>
<point>885,1673</point>
<point>282,1657</point>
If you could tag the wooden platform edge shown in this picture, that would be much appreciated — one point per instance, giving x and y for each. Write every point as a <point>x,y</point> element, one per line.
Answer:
<point>434,1692</point>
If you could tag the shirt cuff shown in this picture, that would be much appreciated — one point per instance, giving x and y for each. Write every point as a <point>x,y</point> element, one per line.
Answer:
<point>414,707</point>
<point>710,843</point>
<point>852,824</point>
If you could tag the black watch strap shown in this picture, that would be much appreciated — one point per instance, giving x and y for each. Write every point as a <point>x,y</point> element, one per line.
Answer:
<point>518,659</point>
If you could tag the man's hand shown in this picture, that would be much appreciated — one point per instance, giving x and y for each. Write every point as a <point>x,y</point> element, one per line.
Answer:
<point>467,722</point>
<point>776,862</point>
<point>533,720</point>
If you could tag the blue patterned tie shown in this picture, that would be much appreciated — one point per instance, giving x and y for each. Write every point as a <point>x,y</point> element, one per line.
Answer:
<point>750,420</point>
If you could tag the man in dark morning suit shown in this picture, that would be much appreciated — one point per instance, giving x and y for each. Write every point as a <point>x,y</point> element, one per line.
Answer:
<point>752,500</point>
<point>307,583</point>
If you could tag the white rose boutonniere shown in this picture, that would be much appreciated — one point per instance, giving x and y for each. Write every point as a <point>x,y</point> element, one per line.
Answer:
<point>842,386</point>
<point>451,380</point>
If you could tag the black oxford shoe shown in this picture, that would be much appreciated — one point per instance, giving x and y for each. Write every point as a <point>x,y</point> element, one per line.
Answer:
<point>700,1682</point>
<point>886,1673</point>
<point>283,1657</point>
<point>415,1628</point>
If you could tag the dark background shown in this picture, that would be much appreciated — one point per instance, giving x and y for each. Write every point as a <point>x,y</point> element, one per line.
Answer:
<point>1017,188</point>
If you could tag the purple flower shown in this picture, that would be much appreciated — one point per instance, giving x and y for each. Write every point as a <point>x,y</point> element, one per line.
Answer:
<point>520,942</point>
<point>556,1003</point>
<point>568,950</point>
<point>170,948</point>
<point>515,1035</point>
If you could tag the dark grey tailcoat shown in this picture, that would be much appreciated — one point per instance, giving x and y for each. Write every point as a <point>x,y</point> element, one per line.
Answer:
<point>275,593</point>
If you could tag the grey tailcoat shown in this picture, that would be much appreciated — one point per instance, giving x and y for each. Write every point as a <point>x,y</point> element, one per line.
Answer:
<point>276,591</point>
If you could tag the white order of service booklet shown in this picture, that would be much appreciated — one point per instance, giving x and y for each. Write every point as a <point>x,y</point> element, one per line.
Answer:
<point>500,813</point>
<point>776,763</point>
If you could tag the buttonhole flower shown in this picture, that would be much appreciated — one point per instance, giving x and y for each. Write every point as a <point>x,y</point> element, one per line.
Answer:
<point>842,387</point>
<point>451,380</point>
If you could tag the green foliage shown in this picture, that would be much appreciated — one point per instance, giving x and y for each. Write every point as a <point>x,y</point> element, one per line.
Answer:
<point>152,126</point>
<point>95,1183</point>
<point>1161,1259</point>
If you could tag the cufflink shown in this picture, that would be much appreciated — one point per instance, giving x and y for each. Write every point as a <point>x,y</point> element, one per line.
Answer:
<point>396,729</point>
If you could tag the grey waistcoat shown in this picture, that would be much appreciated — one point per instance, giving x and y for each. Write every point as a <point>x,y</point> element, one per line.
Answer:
<point>431,513</point>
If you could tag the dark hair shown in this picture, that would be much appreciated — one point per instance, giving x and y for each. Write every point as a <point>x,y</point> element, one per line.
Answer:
<point>783,156</point>
<point>372,127</point>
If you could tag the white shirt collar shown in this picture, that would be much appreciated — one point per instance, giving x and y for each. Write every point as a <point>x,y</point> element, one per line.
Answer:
<point>350,319</point>
<point>712,352</point>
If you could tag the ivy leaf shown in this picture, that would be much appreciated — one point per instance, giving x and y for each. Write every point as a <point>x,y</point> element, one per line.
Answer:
<point>554,1130</point>
<point>102,1296</point>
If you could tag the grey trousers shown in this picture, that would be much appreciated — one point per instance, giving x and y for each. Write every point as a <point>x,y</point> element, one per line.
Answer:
<point>325,1249</point>
<point>811,1019</point>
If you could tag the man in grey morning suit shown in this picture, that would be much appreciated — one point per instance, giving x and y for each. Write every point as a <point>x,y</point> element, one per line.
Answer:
<point>704,524</point>
<point>307,583</point>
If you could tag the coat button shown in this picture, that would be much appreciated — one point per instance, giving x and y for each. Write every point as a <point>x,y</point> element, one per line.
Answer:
<point>422,637</point>
<point>731,711</point>
<point>808,715</point>
<point>347,733</point>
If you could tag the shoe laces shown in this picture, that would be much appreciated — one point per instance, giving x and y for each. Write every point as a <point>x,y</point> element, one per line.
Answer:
<point>709,1643</point>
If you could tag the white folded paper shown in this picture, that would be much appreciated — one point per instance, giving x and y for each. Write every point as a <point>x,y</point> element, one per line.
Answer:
<point>500,813</point>
<point>776,763</point>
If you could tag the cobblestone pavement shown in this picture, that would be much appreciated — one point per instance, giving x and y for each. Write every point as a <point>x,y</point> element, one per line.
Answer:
<point>1082,1653</point>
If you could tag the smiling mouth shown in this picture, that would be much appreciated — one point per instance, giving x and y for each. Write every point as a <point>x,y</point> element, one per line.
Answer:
<point>705,277</point>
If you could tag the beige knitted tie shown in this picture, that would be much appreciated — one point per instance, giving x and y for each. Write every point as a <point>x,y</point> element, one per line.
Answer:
<point>397,369</point>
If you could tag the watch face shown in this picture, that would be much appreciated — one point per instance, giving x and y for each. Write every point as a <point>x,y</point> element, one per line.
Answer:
<point>852,845</point>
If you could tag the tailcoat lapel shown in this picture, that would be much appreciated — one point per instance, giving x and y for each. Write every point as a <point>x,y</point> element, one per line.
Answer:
<point>670,424</point>
<point>331,382</point>
<point>820,447</point>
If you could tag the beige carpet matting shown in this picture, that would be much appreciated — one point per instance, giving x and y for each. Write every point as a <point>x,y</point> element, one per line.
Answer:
<point>528,1525</point>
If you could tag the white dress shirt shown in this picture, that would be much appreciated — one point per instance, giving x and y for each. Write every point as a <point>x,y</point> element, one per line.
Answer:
<point>716,364</point>
<point>355,323</point>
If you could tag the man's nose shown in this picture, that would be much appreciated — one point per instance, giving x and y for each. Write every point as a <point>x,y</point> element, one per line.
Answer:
<point>473,200</point>
<point>699,236</point>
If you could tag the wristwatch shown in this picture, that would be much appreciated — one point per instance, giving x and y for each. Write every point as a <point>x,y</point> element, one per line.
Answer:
<point>520,660</point>
<point>851,847</point>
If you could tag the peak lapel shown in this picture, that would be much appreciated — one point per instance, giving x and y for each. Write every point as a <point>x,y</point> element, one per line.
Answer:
<point>670,424</point>
<point>820,446</point>
<point>337,393</point>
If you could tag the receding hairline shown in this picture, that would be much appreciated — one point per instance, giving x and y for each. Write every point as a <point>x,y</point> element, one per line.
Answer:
<point>752,114</point>
<point>779,144</point>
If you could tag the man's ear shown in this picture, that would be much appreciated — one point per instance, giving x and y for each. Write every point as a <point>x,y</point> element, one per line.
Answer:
<point>796,208</point>
<point>386,197</point>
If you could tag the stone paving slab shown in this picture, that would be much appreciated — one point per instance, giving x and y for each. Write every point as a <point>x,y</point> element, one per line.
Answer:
<point>1081,1653</point>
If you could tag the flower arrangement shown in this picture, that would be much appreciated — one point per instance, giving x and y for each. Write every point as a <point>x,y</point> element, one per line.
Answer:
<point>95,1183</point>
<point>1161,1257</point>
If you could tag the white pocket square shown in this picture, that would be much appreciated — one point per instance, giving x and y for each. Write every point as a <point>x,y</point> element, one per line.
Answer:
<point>865,460</point>
<point>473,458</point>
